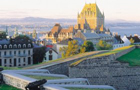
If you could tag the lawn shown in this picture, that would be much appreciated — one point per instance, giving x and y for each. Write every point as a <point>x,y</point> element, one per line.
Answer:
<point>86,89</point>
<point>133,58</point>
<point>44,77</point>
<point>7,87</point>
<point>103,54</point>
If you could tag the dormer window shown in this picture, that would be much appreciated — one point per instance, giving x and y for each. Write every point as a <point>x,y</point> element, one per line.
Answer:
<point>10,46</point>
<point>29,45</point>
<point>24,45</point>
<point>19,46</point>
<point>15,46</point>
<point>5,46</point>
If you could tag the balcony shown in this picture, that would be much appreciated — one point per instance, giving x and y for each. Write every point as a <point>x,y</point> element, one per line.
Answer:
<point>22,55</point>
<point>7,56</point>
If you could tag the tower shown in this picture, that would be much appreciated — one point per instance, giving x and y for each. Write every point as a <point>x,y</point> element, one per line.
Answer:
<point>34,35</point>
<point>15,32</point>
<point>6,30</point>
<point>91,16</point>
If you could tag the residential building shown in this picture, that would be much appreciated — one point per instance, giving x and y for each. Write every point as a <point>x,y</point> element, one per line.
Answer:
<point>58,33</point>
<point>118,42</point>
<point>51,54</point>
<point>16,52</point>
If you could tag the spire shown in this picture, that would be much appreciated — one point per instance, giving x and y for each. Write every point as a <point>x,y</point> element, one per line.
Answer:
<point>16,32</point>
<point>6,30</point>
<point>102,28</point>
<point>78,15</point>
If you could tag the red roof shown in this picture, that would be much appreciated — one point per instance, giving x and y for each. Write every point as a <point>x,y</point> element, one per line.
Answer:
<point>50,46</point>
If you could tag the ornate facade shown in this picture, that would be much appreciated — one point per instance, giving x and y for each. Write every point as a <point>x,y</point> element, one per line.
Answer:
<point>58,33</point>
<point>90,18</point>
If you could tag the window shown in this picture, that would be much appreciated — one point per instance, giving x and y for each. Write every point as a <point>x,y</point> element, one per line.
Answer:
<point>0,47</point>
<point>5,53</point>
<point>24,51</point>
<point>14,52</point>
<point>29,52</point>
<point>5,46</point>
<point>18,52</point>
<point>10,61</point>
<point>29,45</point>
<point>10,46</point>
<point>24,45</point>
<point>24,60</point>
<point>19,46</point>
<point>10,52</point>
<point>5,61</point>
<point>19,60</point>
<point>50,57</point>
<point>15,46</point>
<point>15,62</point>
<point>0,62</point>
<point>0,54</point>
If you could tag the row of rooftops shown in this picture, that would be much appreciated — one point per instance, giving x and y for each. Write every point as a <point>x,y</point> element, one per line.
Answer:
<point>57,29</point>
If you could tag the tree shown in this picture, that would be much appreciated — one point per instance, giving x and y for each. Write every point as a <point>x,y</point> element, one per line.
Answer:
<point>38,54</point>
<point>2,35</point>
<point>72,49</point>
<point>82,50</point>
<point>132,41</point>
<point>102,45</point>
<point>88,46</point>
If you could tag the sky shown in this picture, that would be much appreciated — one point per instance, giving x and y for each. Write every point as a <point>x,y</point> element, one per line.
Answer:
<point>114,9</point>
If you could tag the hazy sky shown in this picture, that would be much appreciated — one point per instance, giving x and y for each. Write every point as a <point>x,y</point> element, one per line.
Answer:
<point>113,9</point>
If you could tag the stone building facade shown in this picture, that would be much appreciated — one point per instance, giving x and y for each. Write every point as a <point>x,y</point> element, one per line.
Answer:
<point>15,54</point>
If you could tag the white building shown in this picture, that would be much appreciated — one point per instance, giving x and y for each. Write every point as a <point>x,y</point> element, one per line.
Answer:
<point>126,41</point>
<point>118,42</point>
<point>51,54</point>
<point>15,54</point>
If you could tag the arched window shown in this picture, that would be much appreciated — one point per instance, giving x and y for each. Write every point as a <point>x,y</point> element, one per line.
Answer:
<point>29,45</point>
<point>5,46</point>
<point>10,46</point>
<point>19,46</point>
<point>15,46</point>
<point>24,45</point>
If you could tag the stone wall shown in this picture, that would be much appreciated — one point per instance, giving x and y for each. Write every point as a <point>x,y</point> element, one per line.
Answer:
<point>63,68</point>
<point>107,70</point>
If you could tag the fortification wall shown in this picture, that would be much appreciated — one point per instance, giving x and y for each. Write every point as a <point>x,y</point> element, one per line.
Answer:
<point>63,67</point>
<point>107,70</point>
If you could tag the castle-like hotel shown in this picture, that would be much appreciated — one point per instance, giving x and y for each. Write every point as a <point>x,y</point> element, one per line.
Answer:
<point>90,20</point>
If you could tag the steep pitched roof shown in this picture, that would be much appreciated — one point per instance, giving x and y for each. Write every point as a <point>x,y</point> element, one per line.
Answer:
<point>91,35</point>
<point>56,28</point>
<point>68,30</point>
<point>135,38</point>
<point>93,8</point>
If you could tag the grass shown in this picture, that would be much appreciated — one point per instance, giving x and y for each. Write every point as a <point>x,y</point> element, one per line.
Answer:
<point>44,77</point>
<point>86,89</point>
<point>103,54</point>
<point>133,57</point>
<point>59,60</point>
<point>10,68</point>
<point>7,87</point>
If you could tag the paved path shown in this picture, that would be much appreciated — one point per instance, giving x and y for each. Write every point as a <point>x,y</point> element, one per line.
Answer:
<point>47,64</point>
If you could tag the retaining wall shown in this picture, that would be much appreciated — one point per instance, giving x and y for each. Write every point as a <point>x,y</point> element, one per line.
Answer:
<point>107,70</point>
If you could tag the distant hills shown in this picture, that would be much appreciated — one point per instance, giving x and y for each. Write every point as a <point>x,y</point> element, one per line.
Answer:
<point>37,19</point>
<point>48,21</point>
